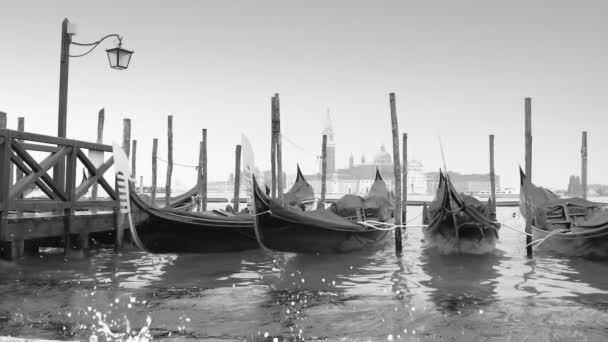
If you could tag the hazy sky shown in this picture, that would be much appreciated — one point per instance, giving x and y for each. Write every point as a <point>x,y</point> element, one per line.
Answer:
<point>460,69</point>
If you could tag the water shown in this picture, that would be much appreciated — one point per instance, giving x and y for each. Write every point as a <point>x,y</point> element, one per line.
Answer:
<point>261,296</point>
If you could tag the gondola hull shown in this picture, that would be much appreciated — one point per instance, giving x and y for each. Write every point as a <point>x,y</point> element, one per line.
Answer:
<point>171,231</point>
<point>316,232</point>
<point>458,224</point>
<point>589,248</point>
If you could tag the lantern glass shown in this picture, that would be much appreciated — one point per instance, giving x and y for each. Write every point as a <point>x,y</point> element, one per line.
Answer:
<point>119,58</point>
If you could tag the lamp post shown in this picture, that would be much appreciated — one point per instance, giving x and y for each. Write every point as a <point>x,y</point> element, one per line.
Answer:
<point>119,59</point>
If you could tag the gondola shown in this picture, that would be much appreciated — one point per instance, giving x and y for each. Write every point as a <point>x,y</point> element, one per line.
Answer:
<point>457,223</point>
<point>283,228</point>
<point>566,226</point>
<point>301,193</point>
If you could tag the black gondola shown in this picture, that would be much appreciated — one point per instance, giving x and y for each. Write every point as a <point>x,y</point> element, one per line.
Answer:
<point>457,223</point>
<point>566,226</point>
<point>163,230</point>
<point>286,229</point>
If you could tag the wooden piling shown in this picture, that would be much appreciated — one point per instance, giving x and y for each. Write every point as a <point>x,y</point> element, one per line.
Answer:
<point>237,177</point>
<point>154,165</point>
<point>2,120</point>
<point>584,165</point>
<point>528,182</point>
<point>397,169</point>
<point>70,186</point>
<point>199,178</point>
<point>126,136</point>
<point>280,185</point>
<point>134,159</point>
<point>5,152</point>
<point>273,150</point>
<point>405,185</point>
<point>100,121</point>
<point>323,169</point>
<point>204,173</point>
<point>492,177</point>
<point>169,160</point>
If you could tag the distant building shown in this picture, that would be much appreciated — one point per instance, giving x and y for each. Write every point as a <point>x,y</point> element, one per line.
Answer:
<point>474,184</point>
<point>575,188</point>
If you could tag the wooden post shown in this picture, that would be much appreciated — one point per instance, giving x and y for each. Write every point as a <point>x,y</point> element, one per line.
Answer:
<point>204,179</point>
<point>237,177</point>
<point>277,109</point>
<point>397,169</point>
<point>492,178</point>
<point>70,187</point>
<point>154,165</point>
<point>528,183</point>
<point>64,66</point>
<point>169,160</point>
<point>199,178</point>
<point>126,136</point>
<point>134,159</point>
<point>323,169</point>
<point>5,152</point>
<point>19,175</point>
<point>405,185</point>
<point>100,120</point>
<point>584,165</point>
<point>119,220</point>
<point>273,151</point>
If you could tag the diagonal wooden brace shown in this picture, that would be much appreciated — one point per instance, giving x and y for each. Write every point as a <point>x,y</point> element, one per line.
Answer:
<point>96,172</point>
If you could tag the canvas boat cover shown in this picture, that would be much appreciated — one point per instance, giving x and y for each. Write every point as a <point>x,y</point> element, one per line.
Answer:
<point>300,192</point>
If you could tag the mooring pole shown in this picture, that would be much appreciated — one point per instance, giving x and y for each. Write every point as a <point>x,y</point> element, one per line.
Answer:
<point>204,177</point>
<point>492,177</point>
<point>528,182</point>
<point>584,165</point>
<point>169,160</point>
<point>279,152</point>
<point>405,187</point>
<point>64,66</point>
<point>2,120</point>
<point>126,136</point>
<point>154,165</point>
<point>237,177</point>
<point>19,174</point>
<point>273,149</point>
<point>100,121</point>
<point>323,170</point>
<point>134,159</point>
<point>199,178</point>
<point>397,170</point>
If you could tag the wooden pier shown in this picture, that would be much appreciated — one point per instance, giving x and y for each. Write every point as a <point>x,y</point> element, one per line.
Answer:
<point>65,217</point>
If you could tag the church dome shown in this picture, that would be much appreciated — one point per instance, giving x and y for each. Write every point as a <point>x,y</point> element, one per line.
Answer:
<point>382,157</point>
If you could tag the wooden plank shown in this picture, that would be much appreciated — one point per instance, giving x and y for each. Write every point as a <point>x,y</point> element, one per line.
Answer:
<point>323,169</point>
<point>40,147</point>
<point>169,160</point>
<point>27,136</point>
<point>39,169</point>
<point>205,178</point>
<point>39,205</point>
<point>154,165</point>
<point>528,181</point>
<point>23,168</point>
<point>20,128</point>
<point>25,228</point>
<point>584,165</point>
<point>94,171</point>
<point>397,170</point>
<point>96,175</point>
<point>237,177</point>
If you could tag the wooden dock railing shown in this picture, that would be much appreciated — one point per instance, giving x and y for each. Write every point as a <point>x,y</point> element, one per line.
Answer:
<point>54,215</point>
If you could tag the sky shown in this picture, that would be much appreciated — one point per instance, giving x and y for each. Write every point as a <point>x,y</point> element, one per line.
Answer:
<point>460,71</point>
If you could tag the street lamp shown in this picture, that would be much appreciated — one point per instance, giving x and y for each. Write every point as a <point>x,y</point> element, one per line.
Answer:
<point>119,59</point>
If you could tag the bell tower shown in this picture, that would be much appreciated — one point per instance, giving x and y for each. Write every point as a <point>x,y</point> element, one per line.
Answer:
<point>331,144</point>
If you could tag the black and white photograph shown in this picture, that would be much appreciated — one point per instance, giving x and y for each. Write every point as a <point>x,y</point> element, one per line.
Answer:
<point>289,171</point>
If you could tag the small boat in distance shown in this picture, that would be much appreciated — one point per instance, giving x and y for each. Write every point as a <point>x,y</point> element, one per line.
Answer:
<point>566,226</point>
<point>458,223</point>
<point>284,228</point>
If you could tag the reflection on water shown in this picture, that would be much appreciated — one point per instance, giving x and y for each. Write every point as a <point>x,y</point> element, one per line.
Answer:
<point>261,296</point>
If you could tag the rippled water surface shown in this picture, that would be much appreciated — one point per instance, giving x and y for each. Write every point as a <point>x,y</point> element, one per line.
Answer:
<point>261,296</point>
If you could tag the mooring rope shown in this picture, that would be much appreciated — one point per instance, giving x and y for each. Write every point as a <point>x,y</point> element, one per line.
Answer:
<point>513,228</point>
